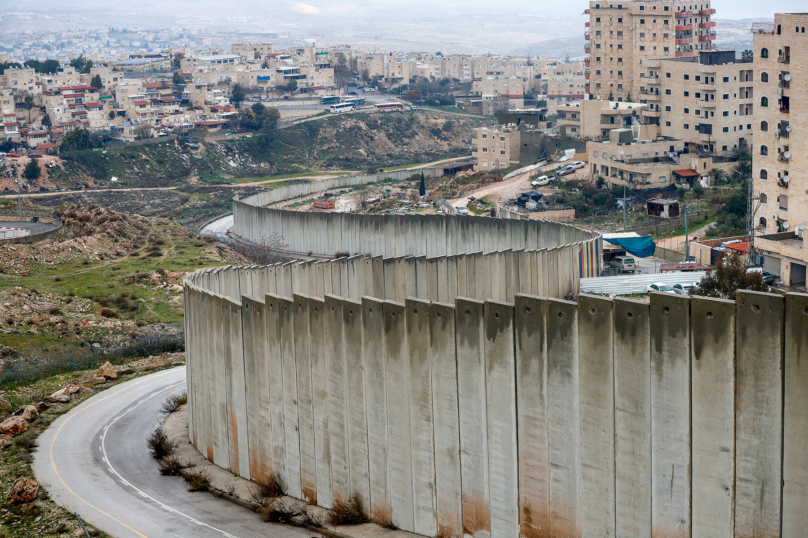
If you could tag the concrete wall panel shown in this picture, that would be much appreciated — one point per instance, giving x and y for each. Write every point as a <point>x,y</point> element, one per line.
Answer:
<point>338,420</point>
<point>632,418</point>
<point>357,422</point>
<point>286,337</point>
<point>670,415</point>
<point>471,394</point>
<point>277,414</point>
<point>795,416</point>
<point>758,414</point>
<point>303,360</point>
<point>501,400</point>
<point>596,374</point>
<point>713,426</point>
<point>531,397</point>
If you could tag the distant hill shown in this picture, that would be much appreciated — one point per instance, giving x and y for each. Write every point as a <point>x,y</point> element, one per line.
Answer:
<point>555,48</point>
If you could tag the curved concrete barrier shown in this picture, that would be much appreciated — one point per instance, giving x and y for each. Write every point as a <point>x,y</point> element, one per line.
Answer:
<point>440,376</point>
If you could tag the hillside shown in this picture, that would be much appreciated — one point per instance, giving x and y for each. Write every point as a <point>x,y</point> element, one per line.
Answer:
<point>347,142</point>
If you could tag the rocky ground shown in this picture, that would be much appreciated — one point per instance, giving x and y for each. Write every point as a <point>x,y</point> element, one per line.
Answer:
<point>26,411</point>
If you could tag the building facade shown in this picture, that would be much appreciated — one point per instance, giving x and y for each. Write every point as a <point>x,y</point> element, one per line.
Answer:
<point>780,150</point>
<point>620,34</point>
<point>706,100</point>
<point>496,149</point>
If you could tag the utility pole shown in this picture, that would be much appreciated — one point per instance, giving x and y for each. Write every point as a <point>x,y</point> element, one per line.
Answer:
<point>19,198</point>
<point>624,208</point>
<point>687,242</point>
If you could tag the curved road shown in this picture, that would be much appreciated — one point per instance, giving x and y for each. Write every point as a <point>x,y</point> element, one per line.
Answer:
<point>94,461</point>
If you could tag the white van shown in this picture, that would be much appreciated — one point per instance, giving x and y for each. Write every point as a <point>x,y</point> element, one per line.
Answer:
<point>624,263</point>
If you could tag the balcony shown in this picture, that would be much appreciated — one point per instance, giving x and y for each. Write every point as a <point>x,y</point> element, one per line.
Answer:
<point>683,14</point>
<point>684,28</point>
<point>708,37</point>
<point>784,58</point>
<point>586,36</point>
<point>684,41</point>
<point>587,62</point>
<point>586,76</point>
<point>781,157</point>
<point>783,182</point>
<point>586,12</point>
<point>685,54</point>
<point>784,83</point>
<point>706,25</point>
<point>707,12</point>
<point>586,25</point>
<point>586,48</point>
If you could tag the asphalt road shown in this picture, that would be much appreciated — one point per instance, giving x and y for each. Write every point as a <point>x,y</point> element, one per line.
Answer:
<point>218,227</point>
<point>94,461</point>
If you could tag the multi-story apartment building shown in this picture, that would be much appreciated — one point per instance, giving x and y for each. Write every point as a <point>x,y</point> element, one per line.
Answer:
<point>642,159</point>
<point>621,33</point>
<point>594,118</point>
<point>780,151</point>
<point>249,50</point>
<point>706,100</point>
<point>564,81</point>
<point>496,149</point>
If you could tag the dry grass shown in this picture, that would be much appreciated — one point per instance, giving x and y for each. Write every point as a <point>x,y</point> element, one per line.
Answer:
<point>310,517</point>
<point>272,487</point>
<point>173,466</point>
<point>173,403</point>
<point>350,512</point>
<point>198,480</point>
<point>160,445</point>
<point>279,511</point>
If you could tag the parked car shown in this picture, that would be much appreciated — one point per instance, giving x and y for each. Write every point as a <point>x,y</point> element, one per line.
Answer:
<point>13,155</point>
<point>624,263</point>
<point>769,278</point>
<point>682,289</point>
<point>577,165</point>
<point>35,155</point>
<point>660,287</point>
<point>564,171</point>
<point>540,181</point>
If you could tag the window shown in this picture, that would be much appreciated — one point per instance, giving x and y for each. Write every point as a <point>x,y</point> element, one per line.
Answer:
<point>687,94</point>
<point>764,174</point>
<point>667,124</point>
<point>698,112</point>
<point>667,109</point>
<point>687,126</point>
<point>698,78</point>
<point>764,150</point>
<point>502,152</point>
<point>667,75</point>
<point>763,198</point>
<point>687,77</point>
<point>667,92</point>
<point>764,126</point>
<point>726,79</point>
<point>642,21</point>
<point>502,139</point>
<point>485,135</point>
<point>642,47</point>
<point>725,113</point>
<point>698,95</point>
<point>485,150</point>
<point>726,129</point>
<point>764,53</point>
<point>726,96</point>
<point>764,101</point>
<point>687,111</point>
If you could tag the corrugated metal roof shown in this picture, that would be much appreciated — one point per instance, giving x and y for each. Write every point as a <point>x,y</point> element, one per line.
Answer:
<point>636,284</point>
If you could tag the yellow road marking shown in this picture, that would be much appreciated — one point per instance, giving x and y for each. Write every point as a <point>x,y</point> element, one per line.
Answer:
<point>59,430</point>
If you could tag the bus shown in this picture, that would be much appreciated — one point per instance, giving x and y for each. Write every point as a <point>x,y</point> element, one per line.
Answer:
<point>341,107</point>
<point>355,100</point>
<point>329,99</point>
<point>389,107</point>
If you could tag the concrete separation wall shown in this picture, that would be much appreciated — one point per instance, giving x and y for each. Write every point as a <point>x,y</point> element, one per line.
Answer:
<point>522,416</point>
<point>33,238</point>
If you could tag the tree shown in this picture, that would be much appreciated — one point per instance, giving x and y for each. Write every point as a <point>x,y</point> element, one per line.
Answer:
<point>8,65</point>
<point>680,192</point>
<point>258,109</point>
<point>6,145</point>
<point>747,54</point>
<point>237,95</point>
<point>48,67</point>
<point>422,186</point>
<point>46,121</point>
<point>611,96</point>
<point>698,190</point>
<point>112,114</point>
<point>87,66</point>
<point>256,55</point>
<point>727,277</point>
<point>32,170</point>
<point>78,63</point>
<point>29,101</point>
<point>96,82</point>
<point>176,61</point>
<point>76,140</point>
<point>448,126</point>
<point>628,98</point>
<point>366,75</point>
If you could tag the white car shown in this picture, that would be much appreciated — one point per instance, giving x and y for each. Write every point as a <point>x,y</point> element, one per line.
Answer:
<point>577,165</point>
<point>540,181</point>
<point>564,171</point>
<point>682,289</point>
<point>461,209</point>
<point>662,288</point>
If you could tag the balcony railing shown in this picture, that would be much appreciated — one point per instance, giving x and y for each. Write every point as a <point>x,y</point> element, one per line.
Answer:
<point>683,14</point>
<point>707,12</point>
<point>784,110</point>
<point>684,28</point>
<point>784,83</point>
<point>784,58</point>
<point>783,182</point>
<point>706,25</point>
<point>782,158</point>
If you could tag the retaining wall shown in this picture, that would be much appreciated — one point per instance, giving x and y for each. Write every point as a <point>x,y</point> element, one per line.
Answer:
<point>534,417</point>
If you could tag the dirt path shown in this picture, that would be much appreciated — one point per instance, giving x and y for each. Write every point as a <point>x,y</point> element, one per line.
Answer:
<point>504,190</point>
<point>677,242</point>
<point>230,186</point>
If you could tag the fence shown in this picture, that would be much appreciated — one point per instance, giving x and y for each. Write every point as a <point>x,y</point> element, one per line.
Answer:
<point>35,364</point>
<point>536,417</point>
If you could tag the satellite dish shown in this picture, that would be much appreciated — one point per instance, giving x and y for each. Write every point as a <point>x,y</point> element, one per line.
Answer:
<point>787,77</point>
<point>693,166</point>
<point>786,178</point>
<point>622,152</point>
<point>786,225</point>
<point>801,227</point>
<point>788,128</point>
<point>787,154</point>
<point>774,217</point>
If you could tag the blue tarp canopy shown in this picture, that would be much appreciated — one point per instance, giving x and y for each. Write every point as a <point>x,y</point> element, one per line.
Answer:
<point>642,247</point>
